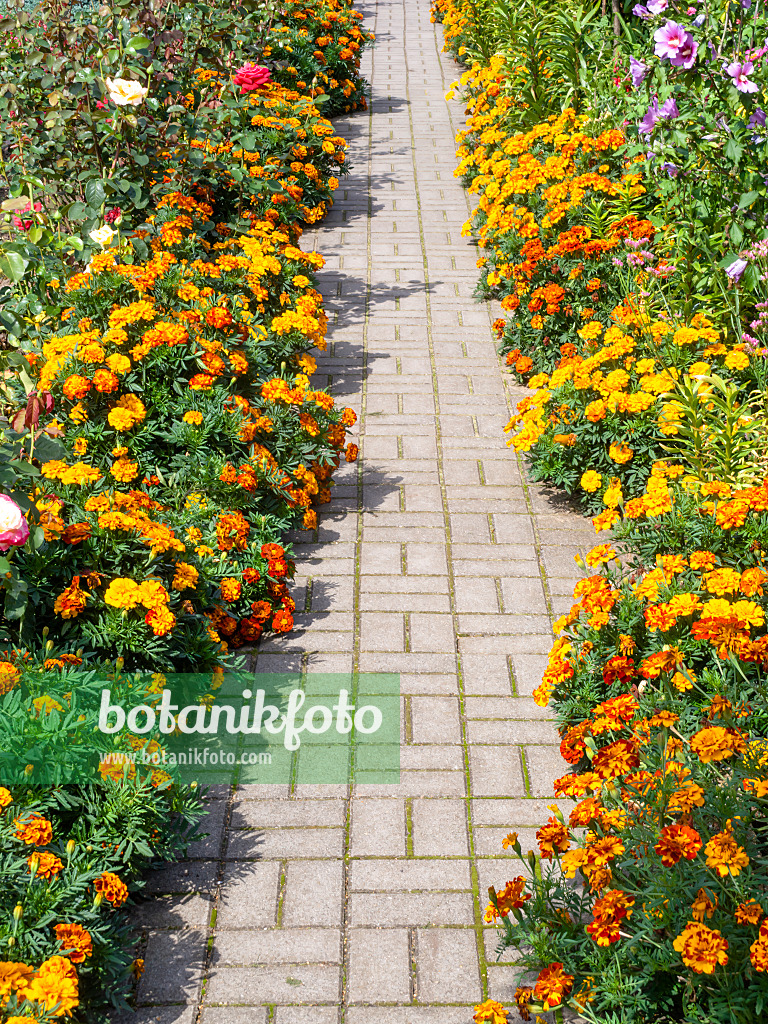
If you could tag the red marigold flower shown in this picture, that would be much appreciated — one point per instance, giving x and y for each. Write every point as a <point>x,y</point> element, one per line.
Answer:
<point>616,759</point>
<point>218,316</point>
<point>553,837</point>
<point>552,985</point>
<point>676,842</point>
<point>282,622</point>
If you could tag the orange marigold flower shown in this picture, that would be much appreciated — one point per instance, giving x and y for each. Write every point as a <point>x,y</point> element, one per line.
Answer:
<point>749,913</point>
<point>232,531</point>
<point>701,948</point>
<point>34,831</point>
<point>600,554</point>
<point>230,589</point>
<point>511,897</point>
<point>702,560</point>
<point>490,1012</point>
<point>676,842</point>
<point>552,985</point>
<point>758,951</point>
<point>616,759</point>
<point>71,601</point>
<point>105,381</point>
<point>608,911</point>
<point>44,864</point>
<point>553,838</point>
<point>76,387</point>
<point>716,743</point>
<point>282,622</point>
<point>161,620</point>
<point>75,942</point>
<point>111,888</point>
<point>724,854</point>
<point>218,316</point>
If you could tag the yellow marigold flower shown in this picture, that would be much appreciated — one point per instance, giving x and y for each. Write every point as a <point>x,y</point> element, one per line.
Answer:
<point>716,743</point>
<point>490,1012</point>
<point>186,576</point>
<point>620,453</point>
<point>722,581</point>
<point>119,363</point>
<point>591,481</point>
<point>724,854</point>
<point>193,416</point>
<point>121,419</point>
<point>595,411</point>
<point>54,983</point>
<point>122,593</point>
<point>125,470</point>
<point>701,948</point>
<point>684,336</point>
<point>737,360</point>
<point>613,496</point>
<point>591,330</point>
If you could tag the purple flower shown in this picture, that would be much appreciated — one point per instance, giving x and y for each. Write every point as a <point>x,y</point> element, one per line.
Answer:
<point>699,20</point>
<point>671,169</point>
<point>674,42</point>
<point>686,55</point>
<point>638,72</point>
<point>757,120</point>
<point>736,270</point>
<point>653,114</point>
<point>658,6</point>
<point>648,122</point>
<point>739,73</point>
<point>640,11</point>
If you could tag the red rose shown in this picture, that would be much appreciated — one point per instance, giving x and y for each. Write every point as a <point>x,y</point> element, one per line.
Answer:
<point>251,76</point>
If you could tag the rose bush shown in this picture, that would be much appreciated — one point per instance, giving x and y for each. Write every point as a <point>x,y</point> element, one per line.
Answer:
<point>159,431</point>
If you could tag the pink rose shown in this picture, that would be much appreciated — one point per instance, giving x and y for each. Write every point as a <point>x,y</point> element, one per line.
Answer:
<point>251,76</point>
<point>14,528</point>
<point>25,225</point>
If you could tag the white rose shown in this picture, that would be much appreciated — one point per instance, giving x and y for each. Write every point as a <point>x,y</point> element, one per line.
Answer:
<point>125,93</point>
<point>103,235</point>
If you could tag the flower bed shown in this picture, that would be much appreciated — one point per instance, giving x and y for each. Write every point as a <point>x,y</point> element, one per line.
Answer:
<point>162,434</point>
<point>639,326</point>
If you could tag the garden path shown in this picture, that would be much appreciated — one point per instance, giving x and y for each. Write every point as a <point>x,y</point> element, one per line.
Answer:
<point>436,560</point>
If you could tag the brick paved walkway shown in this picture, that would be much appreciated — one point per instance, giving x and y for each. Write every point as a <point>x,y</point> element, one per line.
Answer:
<point>435,561</point>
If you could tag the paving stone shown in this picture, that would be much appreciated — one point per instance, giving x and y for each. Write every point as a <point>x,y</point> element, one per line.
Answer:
<point>411,1015</point>
<point>234,1015</point>
<point>379,965</point>
<point>378,827</point>
<point>249,895</point>
<point>313,893</point>
<point>180,1014</point>
<point>160,912</point>
<point>287,983</point>
<point>442,586</point>
<point>305,1015</point>
<point>440,828</point>
<point>446,965</point>
<point>408,876</point>
<point>426,909</point>
<point>277,946</point>
<point>173,967</point>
